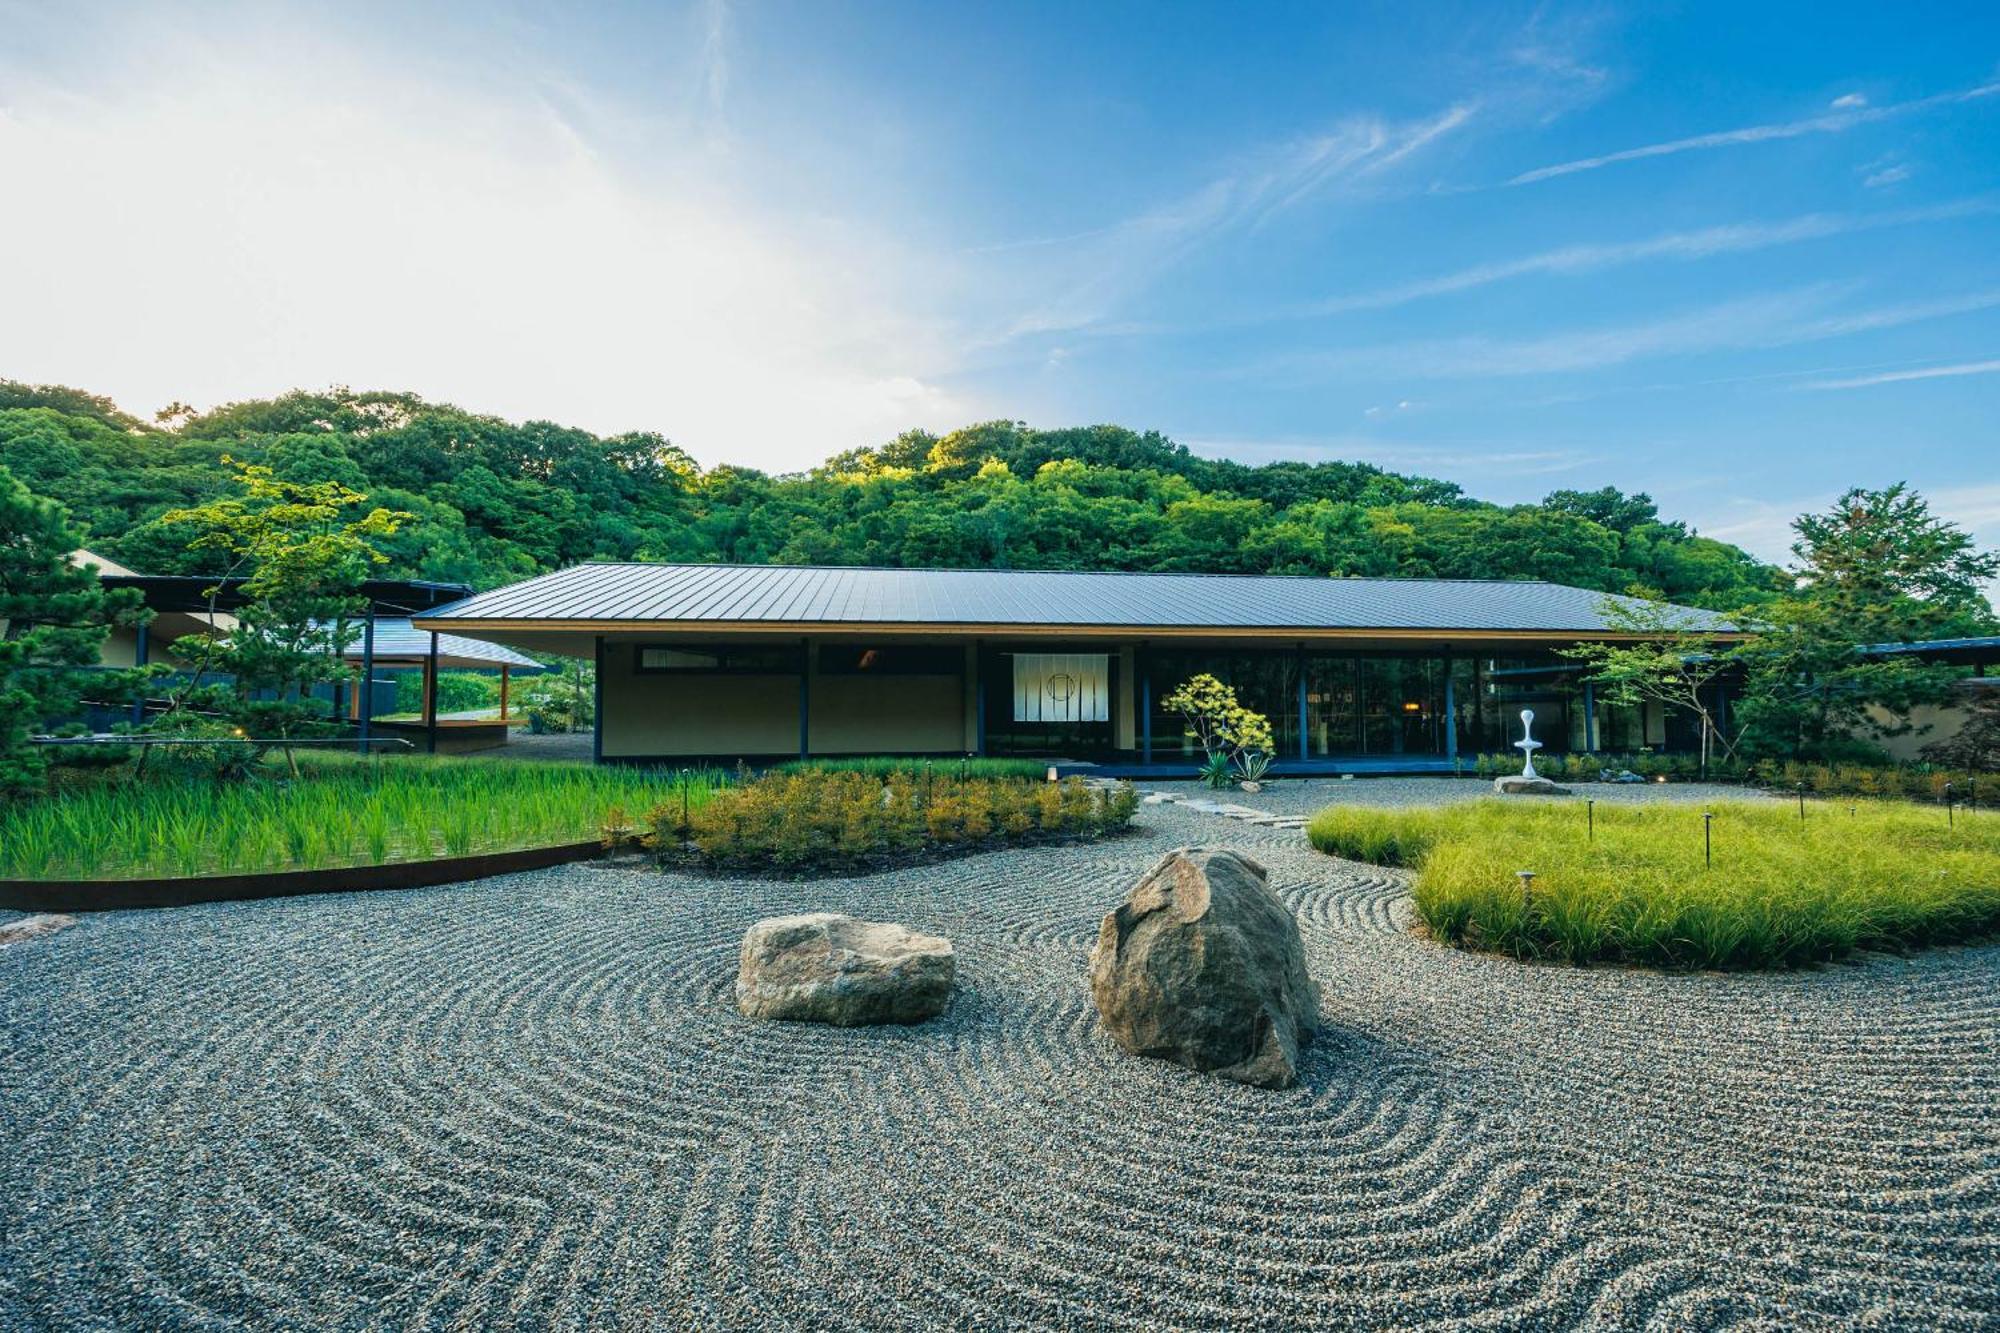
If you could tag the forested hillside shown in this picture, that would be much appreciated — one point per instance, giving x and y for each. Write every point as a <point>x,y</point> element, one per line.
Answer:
<point>494,501</point>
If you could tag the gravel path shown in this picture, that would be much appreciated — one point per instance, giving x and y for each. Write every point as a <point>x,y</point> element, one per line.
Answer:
<point>1305,796</point>
<point>528,1103</point>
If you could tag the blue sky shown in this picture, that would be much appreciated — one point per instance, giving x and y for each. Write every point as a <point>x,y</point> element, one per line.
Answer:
<point>1737,256</point>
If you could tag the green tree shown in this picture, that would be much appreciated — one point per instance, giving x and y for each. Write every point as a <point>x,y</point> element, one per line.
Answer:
<point>1673,659</point>
<point>1877,568</point>
<point>54,616</point>
<point>302,551</point>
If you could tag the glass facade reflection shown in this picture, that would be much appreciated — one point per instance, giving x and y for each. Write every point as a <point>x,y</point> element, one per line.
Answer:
<point>1340,705</point>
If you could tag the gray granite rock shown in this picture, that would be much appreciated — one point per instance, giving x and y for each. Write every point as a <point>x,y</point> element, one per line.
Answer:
<point>827,968</point>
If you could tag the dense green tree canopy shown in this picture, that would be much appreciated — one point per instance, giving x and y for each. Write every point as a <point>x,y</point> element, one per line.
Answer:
<point>493,501</point>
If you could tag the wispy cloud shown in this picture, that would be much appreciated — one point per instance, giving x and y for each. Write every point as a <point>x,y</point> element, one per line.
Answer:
<point>1775,319</point>
<point>1833,122</point>
<point>1093,272</point>
<point>1899,376</point>
<point>1895,175</point>
<point>1700,243</point>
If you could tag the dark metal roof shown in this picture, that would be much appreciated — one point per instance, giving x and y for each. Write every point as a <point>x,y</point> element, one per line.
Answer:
<point>1963,651</point>
<point>190,592</point>
<point>779,595</point>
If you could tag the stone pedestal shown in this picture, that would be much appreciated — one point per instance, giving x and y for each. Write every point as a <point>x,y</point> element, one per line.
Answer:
<point>1517,785</point>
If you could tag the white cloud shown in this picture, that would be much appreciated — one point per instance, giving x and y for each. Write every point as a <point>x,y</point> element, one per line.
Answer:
<point>1086,277</point>
<point>1701,243</point>
<point>222,221</point>
<point>1830,123</point>
<point>1899,376</point>
<point>1775,319</point>
<point>1848,102</point>
<point>1887,176</point>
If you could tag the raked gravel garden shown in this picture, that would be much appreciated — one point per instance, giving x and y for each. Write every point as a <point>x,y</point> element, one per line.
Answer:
<point>530,1102</point>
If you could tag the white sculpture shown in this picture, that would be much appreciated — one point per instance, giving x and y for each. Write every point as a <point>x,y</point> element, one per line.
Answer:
<point>1527,745</point>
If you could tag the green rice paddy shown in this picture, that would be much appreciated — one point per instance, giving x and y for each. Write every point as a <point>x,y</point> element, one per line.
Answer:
<point>339,812</point>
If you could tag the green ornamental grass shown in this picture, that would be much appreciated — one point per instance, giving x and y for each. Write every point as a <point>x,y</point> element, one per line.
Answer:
<point>1781,891</point>
<point>339,812</point>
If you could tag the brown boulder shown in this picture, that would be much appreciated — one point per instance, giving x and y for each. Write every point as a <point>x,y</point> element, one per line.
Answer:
<point>1203,965</point>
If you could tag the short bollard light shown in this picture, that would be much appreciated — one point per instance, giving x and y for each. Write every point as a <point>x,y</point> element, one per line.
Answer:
<point>1947,805</point>
<point>1527,878</point>
<point>1590,820</point>
<point>1707,846</point>
<point>684,805</point>
<point>1802,800</point>
<point>964,767</point>
<point>1052,772</point>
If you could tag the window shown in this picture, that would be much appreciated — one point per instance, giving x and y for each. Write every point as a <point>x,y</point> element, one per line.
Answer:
<point>890,660</point>
<point>739,661</point>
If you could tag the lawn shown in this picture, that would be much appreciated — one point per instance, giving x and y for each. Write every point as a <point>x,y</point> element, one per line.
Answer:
<point>1780,890</point>
<point>339,812</point>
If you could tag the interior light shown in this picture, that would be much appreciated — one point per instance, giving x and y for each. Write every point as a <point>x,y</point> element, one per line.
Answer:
<point>1412,706</point>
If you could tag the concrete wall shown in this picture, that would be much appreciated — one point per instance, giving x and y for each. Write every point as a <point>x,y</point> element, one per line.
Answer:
<point>1931,726</point>
<point>729,716</point>
<point>689,714</point>
<point>887,715</point>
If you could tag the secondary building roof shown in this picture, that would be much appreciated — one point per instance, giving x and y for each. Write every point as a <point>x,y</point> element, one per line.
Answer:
<point>657,596</point>
<point>398,642</point>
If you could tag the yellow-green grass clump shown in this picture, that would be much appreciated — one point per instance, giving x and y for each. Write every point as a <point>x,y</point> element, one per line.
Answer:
<point>338,812</point>
<point>1781,891</point>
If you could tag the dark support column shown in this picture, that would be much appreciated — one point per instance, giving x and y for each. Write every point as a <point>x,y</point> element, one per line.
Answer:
<point>1590,717</point>
<point>979,699</point>
<point>431,694</point>
<point>1450,712</point>
<point>1145,706</point>
<point>141,650</point>
<point>805,698</point>
<point>1304,751</point>
<point>367,700</point>
<point>597,701</point>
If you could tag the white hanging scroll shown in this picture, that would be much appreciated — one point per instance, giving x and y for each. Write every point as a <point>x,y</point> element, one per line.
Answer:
<point>1062,687</point>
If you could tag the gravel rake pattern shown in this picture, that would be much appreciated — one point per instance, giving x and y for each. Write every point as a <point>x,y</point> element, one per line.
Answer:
<point>529,1103</point>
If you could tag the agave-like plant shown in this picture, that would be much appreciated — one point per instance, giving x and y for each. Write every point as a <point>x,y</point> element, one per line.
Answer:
<point>1252,765</point>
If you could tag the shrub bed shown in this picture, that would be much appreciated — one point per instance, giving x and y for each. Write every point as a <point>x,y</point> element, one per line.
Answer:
<point>1781,891</point>
<point>816,821</point>
<point>881,766</point>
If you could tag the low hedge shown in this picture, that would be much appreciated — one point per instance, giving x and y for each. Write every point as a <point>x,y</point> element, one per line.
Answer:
<point>814,820</point>
<point>882,766</point>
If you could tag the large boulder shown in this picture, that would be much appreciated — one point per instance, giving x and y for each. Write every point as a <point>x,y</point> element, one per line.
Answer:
<point>1203,965</point>
<point>826,968</point>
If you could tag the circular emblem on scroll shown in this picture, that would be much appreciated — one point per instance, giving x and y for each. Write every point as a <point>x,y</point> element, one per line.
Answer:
<point>1061,687</point>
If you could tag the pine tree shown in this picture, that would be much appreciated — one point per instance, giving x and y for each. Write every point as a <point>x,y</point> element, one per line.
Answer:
<point>54,616</point>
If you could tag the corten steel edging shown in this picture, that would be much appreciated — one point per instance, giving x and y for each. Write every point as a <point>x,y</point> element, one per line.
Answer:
<point>108,895</point>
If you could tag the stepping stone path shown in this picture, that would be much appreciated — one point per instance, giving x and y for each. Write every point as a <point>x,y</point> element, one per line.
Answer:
<point>1207,806</point>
